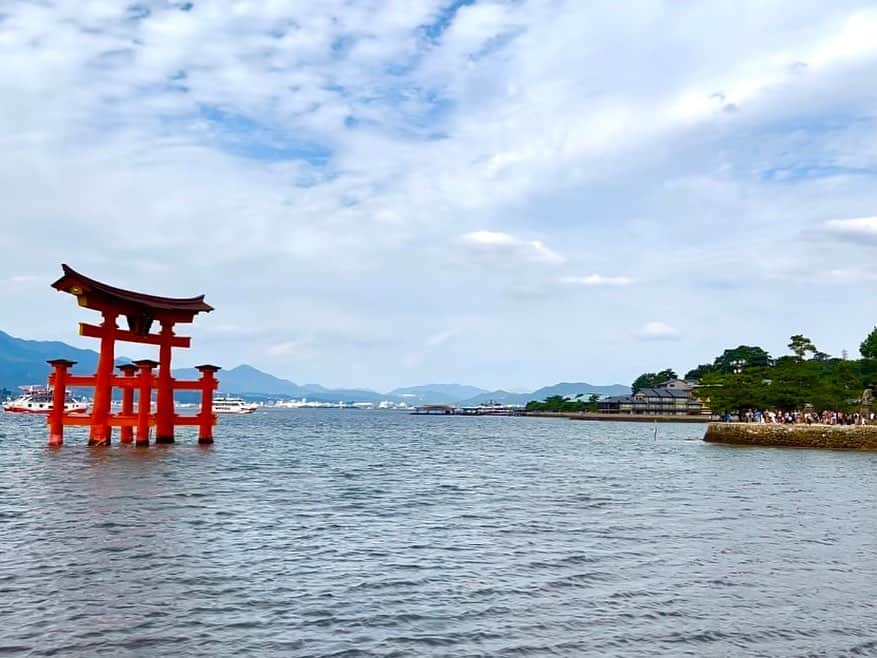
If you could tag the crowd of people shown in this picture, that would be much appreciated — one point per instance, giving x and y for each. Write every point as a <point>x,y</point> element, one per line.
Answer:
<point>802,417</point>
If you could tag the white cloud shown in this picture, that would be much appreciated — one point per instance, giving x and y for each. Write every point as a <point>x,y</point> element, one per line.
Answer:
<point>854,41</point>
<point>858,228</point>
<point>23,279</point>
<point>597,280</point>
<point>847,276</point>
<point>304,164</point>
<point>509,246</point>
<point>290,348</point>
<point>231,330</point>
<point>431,346</point>
<point>658,331</point>
<point>442,337</point>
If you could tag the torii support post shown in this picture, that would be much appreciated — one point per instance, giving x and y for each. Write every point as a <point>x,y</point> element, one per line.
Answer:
<point>101,432</point>
<point>208,386</point>
<point>61,368</point>
<point>144,399</point>
<point>126,431</point>
<point>164,413</point>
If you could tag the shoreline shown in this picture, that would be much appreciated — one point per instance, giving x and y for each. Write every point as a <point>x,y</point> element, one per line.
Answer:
<point>621,418</point>
<point>831,437</point>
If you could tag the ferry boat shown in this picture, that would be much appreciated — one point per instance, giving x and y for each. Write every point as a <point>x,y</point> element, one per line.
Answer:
<point>492,409</point>
<point>225,404</point>
<point>38,400</point>
<point>485,409</point>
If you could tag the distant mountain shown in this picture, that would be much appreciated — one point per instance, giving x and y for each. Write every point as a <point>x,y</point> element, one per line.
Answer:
<point>245,379</point>
<point>248,381</point>
<point>23,362</point>
<point>573,389</point>
<point>565,389</point>
<point>501,397</point>
<point>437,393</point>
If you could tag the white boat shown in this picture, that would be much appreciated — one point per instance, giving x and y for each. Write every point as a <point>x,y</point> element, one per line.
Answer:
<point>38,400</point>
<point>225,404</point>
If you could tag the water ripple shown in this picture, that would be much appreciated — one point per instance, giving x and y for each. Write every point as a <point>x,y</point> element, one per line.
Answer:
<point>341,533</point>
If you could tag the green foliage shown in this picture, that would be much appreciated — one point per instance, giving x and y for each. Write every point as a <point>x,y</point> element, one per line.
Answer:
<point>652,379</point>
<point>724,392</point>
<point>868,348</point>
<point>790,384</point>
<point>739,358</point>
<point>700,372</point>
<point>558,403</point>
<point>868,370</point>
<point>800,345</point>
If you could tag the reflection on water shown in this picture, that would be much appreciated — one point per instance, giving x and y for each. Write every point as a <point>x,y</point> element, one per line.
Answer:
<point>325,532</point>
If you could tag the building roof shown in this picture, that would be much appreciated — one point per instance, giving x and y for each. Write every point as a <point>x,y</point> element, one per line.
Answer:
<point>617,399</point>
<point>663,393</point>
<point>682,384</point>
<point>96,295</point>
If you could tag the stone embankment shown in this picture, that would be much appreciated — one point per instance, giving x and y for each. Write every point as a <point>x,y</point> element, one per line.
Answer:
<point>835,437</point>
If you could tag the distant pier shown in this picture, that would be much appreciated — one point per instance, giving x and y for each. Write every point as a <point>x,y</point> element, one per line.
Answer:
<point>434,410</point>
<point>480,410</point>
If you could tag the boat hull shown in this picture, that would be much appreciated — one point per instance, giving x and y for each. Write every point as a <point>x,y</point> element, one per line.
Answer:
<point>39,400</point>
<point>15,409</point>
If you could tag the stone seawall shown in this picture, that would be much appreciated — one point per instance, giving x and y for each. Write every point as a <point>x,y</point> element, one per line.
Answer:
<point>835,437</point>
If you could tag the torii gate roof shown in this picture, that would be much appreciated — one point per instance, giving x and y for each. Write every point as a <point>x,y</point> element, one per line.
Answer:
<point>101,296</point>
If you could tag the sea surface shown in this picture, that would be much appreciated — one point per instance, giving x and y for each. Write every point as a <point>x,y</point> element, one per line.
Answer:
<point>356,533</point>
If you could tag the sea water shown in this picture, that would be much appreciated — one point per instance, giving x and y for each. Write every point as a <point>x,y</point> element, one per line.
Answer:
<point>367,533</point>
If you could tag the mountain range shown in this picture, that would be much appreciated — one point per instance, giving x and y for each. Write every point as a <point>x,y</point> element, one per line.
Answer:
<point>23,362</point>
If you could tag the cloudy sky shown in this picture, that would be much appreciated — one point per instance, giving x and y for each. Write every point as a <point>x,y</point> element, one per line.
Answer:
<point>501,193</point>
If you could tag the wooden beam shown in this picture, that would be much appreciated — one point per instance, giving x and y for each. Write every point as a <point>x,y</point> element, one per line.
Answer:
<point>190,420</point>
<point>96,331</point>
<point>187,385</point>
<point>115,420</point>
<point>85,381</point>
<point>81,380</point>
<point>118,420</point>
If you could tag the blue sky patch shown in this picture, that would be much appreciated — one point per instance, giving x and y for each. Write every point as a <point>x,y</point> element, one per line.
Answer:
<point>245,137</point>
<point>138,12</point>
<point>803,172</point>
<point>446,16</point>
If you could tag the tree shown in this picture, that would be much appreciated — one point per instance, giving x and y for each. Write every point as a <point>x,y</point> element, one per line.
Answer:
<point>790,384</point>
<point>744,356</point>
<point>652,379</point>
<point>724,392</point>
<point>800,345</point>
<point>700,372</point>
<point>558,404</point>
<point>868,348</point>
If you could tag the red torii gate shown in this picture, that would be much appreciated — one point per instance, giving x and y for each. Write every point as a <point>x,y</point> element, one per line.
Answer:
<point>140,311</point>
